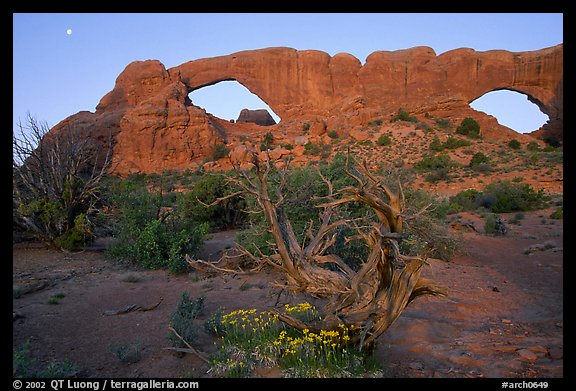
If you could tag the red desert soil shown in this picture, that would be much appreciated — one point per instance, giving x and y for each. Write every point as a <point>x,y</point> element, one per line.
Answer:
<point>503,317</point>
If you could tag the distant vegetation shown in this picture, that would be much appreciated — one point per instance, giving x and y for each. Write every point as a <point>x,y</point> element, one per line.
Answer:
<point>151,231</point>
<point>500,197</point>
<point>157,218</point>
<point>403,115</point>
<point>469,127</point>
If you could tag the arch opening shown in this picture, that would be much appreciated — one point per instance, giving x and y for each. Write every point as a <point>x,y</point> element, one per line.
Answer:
<point>226,99</point>
<point>512,109</point>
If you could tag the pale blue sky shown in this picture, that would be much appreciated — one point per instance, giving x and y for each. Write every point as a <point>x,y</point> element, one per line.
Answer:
<point>56,74</point>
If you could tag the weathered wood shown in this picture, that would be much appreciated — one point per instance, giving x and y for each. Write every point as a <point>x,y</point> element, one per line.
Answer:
<point>370,299</point>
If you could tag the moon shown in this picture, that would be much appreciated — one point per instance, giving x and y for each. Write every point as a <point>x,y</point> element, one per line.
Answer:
<point>69,31</point>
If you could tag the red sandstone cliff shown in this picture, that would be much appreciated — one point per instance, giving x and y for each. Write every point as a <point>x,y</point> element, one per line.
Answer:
<point>155,125</point>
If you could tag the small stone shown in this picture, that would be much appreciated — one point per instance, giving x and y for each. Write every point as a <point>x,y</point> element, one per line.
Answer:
<point>416,366</point>
<point>527,355</point>
<point>495,289</point>
<point>556,352</point>
<point>508,321</point>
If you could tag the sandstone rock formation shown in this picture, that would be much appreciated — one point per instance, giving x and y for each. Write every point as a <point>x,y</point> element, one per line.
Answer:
<point>155,125</point>
<point>259,117</point>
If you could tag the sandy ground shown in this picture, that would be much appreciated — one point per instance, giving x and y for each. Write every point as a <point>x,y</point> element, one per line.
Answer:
<point>503,317</point>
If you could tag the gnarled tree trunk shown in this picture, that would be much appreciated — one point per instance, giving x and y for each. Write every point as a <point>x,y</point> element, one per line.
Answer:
<point>370,299</point>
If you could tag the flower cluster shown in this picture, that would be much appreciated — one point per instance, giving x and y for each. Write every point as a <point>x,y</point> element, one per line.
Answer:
<point>262,339</point>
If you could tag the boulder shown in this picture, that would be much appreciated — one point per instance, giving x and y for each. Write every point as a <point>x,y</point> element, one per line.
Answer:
<point>259,117</point>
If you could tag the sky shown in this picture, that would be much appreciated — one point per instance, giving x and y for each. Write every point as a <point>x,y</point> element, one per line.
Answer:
<point>64,63</point>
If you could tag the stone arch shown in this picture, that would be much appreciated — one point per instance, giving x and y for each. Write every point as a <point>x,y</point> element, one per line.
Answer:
<point>243,98</point>
<point>530,101</point>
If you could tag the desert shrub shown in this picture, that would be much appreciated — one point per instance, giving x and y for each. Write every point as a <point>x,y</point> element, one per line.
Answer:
<point>434,162</point>
<point>376,122</point>
<point>477,160</point>
<point>517,218</point>
<point>469,127</point>
<point>26,366</point>
<point>438,166</point>
<point>220,151</point>
<point>306,126</point>
<point>514,197</point>
<point>403,115</point>
<point>384,140</point>
<point>128,353</point>
<point>146,235</point>
<point>208,188</point>
<point>76,237</point>
<point>322,150</point>
<point>442,123</point>
<point>213,325</point>
<point>493,225</point>
<point>514,144</point>
<point>333,134</point>
<point>423,126</point>
<point>533,146</point>
<point>558,213</point>
<point>465,200</point>
<point>454,143</point>
<point>183,319</point>
<point>500,197</point>
<point>436,144</point>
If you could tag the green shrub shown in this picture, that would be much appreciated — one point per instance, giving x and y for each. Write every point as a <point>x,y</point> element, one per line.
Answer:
<point>376,122</point>
<point>442,123</point>
<point>514,144</point>
<point>454,143</point>
<point>493,225</point>
<point>436,144</point>
<point>469,127</point>
<point>435,162</point>
<point>333,134</point>
<point>465,200</point>
<point>478,159</point>
<point>220,151</point>
<point>213,325</point>
<point>558,213</point>
<point>26,366</point>
<point>322,150</point>
<point>183,319</point>
<point>306,126</point>
<point>533,146</point>
<point>228,213</point>
<point>403,115</point>
<point>148,237</point>
<point>128,353</point>
<point>438,166</point>
<point>384,140</point>
<point>76,237</point>
<point>508,196</point>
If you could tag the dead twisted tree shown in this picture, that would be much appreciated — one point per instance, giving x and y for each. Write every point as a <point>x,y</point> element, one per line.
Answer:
<point>369,299</point>
<point>55,176</point>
